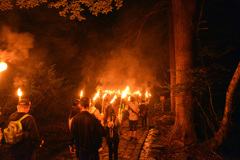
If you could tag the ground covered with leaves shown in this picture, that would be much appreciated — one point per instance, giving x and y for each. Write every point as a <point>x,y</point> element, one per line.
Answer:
<point>174,148</point>
<point>56,140</point>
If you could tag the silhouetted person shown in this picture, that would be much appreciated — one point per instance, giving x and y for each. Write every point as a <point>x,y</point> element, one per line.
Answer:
<point>112,122</point>
<point>74,111</point>
<point>95,111</point>
<point>86,133</point>
<point>26,149</point>
<point>133,118</point>
<point>143,113</point>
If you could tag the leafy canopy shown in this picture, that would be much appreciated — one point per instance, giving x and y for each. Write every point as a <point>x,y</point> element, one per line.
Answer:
<point>73,8</point>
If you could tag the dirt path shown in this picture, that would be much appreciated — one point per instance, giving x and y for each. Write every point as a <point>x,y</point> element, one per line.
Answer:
<point>127,149</point>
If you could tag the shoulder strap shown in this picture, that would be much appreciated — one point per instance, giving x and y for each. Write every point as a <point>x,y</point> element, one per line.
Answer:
<point>26,115</point>
<point>132,110</point>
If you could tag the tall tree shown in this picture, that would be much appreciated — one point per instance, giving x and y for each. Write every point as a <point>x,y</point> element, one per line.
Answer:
<point>171,58</point>
<point>184,28</point>
<point>226,123</point>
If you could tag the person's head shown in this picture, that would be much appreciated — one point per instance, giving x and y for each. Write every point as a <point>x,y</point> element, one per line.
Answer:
<point>84,102</point>
<point>24,105</point>
<point>106,102</point>
<point>76,103</point>
<point>131,99</point>
<point>108,111</point>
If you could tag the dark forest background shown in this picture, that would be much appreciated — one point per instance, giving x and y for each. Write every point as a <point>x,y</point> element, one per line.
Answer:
<point>51,58</point>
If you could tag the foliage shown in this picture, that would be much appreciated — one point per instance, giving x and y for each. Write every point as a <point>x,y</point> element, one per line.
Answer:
<point>8,98</point>
<point>45,90</point>
<point>67,7</point>
<point>48,93</point>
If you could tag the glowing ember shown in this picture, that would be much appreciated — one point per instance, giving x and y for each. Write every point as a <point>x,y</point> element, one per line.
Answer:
<point>3,66</point>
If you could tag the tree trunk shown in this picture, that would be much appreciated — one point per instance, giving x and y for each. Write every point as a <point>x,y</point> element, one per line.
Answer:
<point>184,26</point>
<point>222,133</point>
<point>171,59</point>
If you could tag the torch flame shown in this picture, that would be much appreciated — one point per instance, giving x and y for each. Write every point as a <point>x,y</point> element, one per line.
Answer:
<point>137,92</point>
<point>125,92</point>
<point>104,95</point>
<point>81,94</point>
<point>3,66</point>
<point>96,95</point>
<point>19,92</point>
<point>146,94</point>
<point>113,99</point>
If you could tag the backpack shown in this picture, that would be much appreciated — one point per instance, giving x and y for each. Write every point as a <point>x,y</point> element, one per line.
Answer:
<point>13,133</point>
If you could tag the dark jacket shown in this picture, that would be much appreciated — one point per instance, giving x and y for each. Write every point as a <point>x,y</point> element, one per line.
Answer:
<point>31,139</point>
<point>74,111</point>
<point>86,132</point>
<point>143,107</point>
<point>111,115</point>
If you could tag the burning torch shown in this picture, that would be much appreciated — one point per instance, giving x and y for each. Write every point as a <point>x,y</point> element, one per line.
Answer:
<point>103,101</point>
<point>3,66</point>
<point>95,97</point>
<point>19,92</point>
<point>81,94</point>
<point>111,128</point>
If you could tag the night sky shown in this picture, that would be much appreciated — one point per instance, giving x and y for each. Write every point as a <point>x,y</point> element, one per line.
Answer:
<point>125,47</point>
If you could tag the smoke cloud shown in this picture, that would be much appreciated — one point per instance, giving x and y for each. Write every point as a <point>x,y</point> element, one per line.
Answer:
<point>14,50</point>
<point>14,46</point>
<point>126,67</point>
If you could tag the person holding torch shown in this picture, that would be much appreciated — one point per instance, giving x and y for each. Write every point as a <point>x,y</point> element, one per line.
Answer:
<point>133,110</point>
<point>25,146</point>
<point>112,122</point>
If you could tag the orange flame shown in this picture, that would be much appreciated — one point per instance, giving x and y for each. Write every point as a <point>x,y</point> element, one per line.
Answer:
<point>3,66</point>
<point>19,92</point>
<point>125,92</point>
<point>136,92</point>
<point>96,95</point>
<point>81,94</point>
<point>113,99</point>
<point>146,94</point>
<point>104,95</point>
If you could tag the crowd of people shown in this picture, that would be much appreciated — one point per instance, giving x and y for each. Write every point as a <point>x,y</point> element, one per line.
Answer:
<point>89,123</point>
